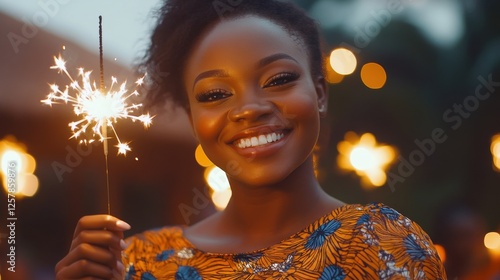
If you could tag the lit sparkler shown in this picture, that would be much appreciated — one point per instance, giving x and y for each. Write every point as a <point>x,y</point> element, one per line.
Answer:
<point>98,109</point>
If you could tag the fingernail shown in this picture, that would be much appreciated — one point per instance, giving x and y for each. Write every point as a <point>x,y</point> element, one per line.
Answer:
<point>123,225</point>
<point>123,245</point>
<point>120,267</point>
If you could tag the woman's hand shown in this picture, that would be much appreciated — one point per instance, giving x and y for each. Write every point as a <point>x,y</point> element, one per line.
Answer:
<point>95,251</point>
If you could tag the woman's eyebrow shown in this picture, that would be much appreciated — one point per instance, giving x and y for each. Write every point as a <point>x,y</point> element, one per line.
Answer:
<point>210,74</point>
<point>272,58</point>
<point>220,73</point>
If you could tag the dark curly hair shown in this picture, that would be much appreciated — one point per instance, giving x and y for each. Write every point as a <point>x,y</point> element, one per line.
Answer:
<point>182,22</point>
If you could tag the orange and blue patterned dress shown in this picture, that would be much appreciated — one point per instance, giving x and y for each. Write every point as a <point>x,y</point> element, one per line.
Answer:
<point>372,241</point>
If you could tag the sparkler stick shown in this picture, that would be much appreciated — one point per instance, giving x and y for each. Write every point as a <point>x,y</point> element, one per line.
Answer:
<point>98,108</point>
<point>104,128</point>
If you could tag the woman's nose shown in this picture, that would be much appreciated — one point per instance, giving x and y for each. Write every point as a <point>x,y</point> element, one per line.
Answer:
<point>251,107</point>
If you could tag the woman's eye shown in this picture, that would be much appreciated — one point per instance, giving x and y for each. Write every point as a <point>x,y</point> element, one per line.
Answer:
<point>213,95</point>
<point>281,79</point>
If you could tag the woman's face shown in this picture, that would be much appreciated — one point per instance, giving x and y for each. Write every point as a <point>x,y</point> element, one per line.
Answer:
<point>254,106</point>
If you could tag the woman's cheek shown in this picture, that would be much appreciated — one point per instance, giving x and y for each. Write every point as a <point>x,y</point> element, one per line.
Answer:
<point>208,126</point>
<point>301,105</point>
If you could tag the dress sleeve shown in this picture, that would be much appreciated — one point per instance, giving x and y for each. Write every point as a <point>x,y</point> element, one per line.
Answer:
<point>152,254</point>
<point>129,254</point>
<point>403,250</point>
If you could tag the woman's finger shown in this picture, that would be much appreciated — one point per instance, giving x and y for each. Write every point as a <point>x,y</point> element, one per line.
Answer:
<point>93,254</point>
<point>103,238</point>
<point>100,222</point>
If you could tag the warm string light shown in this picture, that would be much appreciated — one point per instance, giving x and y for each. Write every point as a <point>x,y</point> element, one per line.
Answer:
<point>363,155</point>
<point>98,108</point>
<point>343,62</point>
<point>495,151</point>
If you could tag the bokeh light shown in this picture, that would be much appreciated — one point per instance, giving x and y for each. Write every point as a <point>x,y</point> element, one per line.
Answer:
<point>219,185</point>
<point>362,158</point>
<point>332,76</point>
<point>221,199</point>
<point>495,151</point>
<point>215,178</point>
<point>366,158</point>
<point>373,75</point>
<point>492,240</point>
<point>343,61</point>
<point>12,151</point>
<point>201,157</point>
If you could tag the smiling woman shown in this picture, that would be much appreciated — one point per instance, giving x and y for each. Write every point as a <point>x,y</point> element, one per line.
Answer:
<point>252,84</point>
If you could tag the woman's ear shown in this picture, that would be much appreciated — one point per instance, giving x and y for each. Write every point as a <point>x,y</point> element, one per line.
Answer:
<point>322,94</point>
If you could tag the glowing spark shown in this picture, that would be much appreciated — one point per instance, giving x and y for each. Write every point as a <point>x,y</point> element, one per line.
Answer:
<point>123,148</point>
<point>98,110</point>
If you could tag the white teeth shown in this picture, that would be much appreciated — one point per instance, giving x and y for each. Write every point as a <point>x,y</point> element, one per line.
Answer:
<point>262,140</point>
<point>255,141</point>
<point>269,138</point>
<point>259,141</point>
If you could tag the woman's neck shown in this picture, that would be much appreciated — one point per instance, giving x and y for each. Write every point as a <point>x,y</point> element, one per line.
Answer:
<point>286,206</point>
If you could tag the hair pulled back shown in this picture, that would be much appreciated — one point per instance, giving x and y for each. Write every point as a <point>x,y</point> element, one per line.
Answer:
<point>182,22</point>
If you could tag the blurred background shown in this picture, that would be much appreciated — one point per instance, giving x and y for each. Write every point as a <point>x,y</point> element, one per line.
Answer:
<point>413,122</point>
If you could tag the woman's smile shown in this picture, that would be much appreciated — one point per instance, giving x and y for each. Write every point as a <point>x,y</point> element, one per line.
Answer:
<point>259,141</point>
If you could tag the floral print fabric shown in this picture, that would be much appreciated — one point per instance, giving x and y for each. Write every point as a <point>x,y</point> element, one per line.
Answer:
<point>352,242</point>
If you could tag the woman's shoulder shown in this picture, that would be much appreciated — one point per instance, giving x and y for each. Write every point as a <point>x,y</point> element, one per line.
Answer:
<point>393,243</point>
<point>371,212</point>
<point>382,225</point>
<point>384,219</point>
<point>355,215</point>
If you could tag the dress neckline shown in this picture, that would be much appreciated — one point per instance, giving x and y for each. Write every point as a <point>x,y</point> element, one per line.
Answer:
<point>315,224</point>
